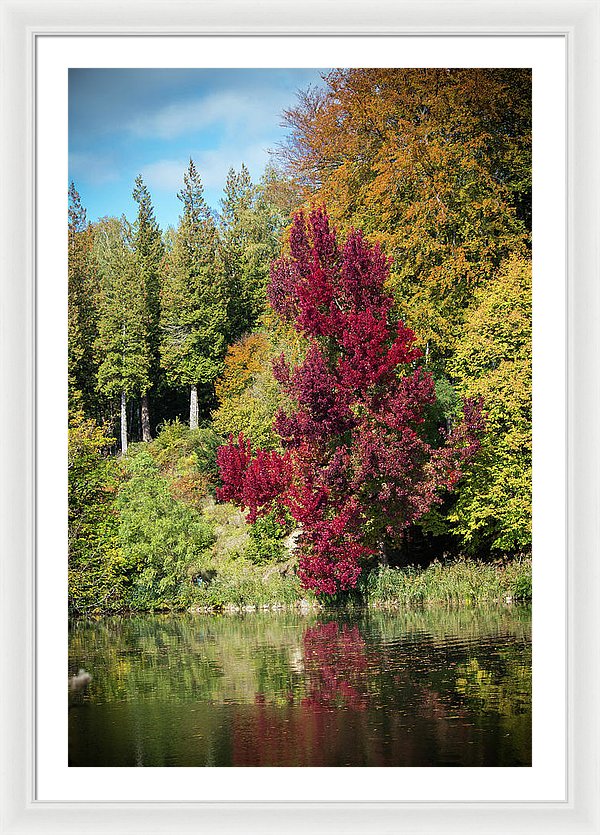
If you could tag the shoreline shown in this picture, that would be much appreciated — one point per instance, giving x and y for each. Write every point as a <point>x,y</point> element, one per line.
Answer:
<point>461,584</point>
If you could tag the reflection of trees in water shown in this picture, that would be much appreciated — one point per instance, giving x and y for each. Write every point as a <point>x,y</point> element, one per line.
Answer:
<point>419,687</point>
<point>395,703</point>
<point>305,730</point>
<point>336,666</point>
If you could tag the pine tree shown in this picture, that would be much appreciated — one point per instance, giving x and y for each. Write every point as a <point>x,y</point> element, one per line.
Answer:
<point>122,347</point>
<point>148,252</point>
<point>250,230</point>
<point>193,298</point>
<point>82,307</point>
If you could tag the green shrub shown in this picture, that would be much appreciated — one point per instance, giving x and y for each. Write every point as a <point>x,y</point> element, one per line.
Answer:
<point>96,566</point>
<point>163,540</point>
<point>267,538</point>
<point>177,441</point>
<point>522,588</point>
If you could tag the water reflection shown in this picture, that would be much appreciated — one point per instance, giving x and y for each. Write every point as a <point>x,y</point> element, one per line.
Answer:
<point>419,688</point>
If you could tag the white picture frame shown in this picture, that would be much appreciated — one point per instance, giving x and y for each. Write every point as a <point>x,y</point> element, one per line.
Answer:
<point>21,23</point>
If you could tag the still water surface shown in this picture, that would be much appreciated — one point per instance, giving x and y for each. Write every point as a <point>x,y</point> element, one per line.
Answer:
<point>420,688</point>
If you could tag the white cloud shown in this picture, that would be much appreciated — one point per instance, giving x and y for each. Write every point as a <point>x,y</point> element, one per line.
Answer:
<point>96,169</point>
<point>213,165</point>
<point>164,174</point>
<point>228,110</point>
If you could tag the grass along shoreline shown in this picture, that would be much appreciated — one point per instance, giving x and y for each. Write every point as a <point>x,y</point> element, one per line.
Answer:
<point>465,582</point>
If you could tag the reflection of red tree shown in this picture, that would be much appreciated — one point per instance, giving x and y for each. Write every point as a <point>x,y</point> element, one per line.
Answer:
<point>309,732</point>
<point>354,711</point>
<point>335,662</point>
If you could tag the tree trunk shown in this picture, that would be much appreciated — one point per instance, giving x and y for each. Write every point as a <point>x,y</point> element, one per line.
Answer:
<point>146,435</point>
<point>123,423</point>
<point>194,415</point>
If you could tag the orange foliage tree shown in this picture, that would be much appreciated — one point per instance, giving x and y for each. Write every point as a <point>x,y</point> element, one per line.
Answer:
<point>433,163</point>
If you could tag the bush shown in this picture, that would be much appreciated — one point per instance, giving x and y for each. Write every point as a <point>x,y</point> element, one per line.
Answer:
<point>176,441</point>
<point>522,588</point>
<point>163,541</point>
<point>96,565</point>
<point>267,538</point>
<point>187,459</point>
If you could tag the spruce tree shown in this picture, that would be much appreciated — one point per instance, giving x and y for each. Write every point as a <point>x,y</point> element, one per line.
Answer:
<point>193,298</point>
<point>148,250</point>
<point>250,230</point>
<point>122,347</point>
<point>82,308</point>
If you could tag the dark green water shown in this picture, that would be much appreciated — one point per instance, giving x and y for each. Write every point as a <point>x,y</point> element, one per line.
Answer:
<point>418,688</point>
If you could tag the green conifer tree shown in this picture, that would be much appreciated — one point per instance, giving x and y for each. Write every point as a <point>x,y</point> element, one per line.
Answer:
<point>82,312</point>
<point>148,250</point>
<point>122,348</point>
<point>250,229</point>
<point>193,298</point>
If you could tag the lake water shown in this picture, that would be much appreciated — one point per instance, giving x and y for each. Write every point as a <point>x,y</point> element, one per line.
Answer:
<point>427,687</point>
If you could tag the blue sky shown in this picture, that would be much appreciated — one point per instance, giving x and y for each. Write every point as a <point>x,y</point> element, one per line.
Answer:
<point>125,122</point>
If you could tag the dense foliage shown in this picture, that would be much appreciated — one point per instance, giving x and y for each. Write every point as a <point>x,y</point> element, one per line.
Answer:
<point>148,251</point>
<point>96,568</point>
<point>435,164</point>
<point>347,377</point>
<point>356,468</point>
<point>82,281</point>
<point>162,539</point>
<point>248,394</point>
<point>194,303</point>
<point>250,228</point>
<point>493,361</point>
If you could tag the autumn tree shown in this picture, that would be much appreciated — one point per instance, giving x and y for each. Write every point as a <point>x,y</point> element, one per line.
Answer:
<point>248,394</point>
<point>122,347</point>
<point>193,298</point>
<point>355,467</point>
<point>280,190</point>
<point>493,361</point>
<point>249,231</point>
<point>435,164</point>
<point>148,251</point>
<point>82,314</point>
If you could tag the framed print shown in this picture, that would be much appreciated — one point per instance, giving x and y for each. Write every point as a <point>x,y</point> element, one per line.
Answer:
<point>476,733</point>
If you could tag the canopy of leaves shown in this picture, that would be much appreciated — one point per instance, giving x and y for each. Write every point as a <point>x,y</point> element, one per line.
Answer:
<point>433,163</point>
<point>493,360</point>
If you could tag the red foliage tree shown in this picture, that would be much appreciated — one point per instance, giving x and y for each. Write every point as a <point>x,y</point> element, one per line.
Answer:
<point>356,467</point>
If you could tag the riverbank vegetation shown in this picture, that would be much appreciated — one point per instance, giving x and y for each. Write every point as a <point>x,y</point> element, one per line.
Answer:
<point>320,392</point>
